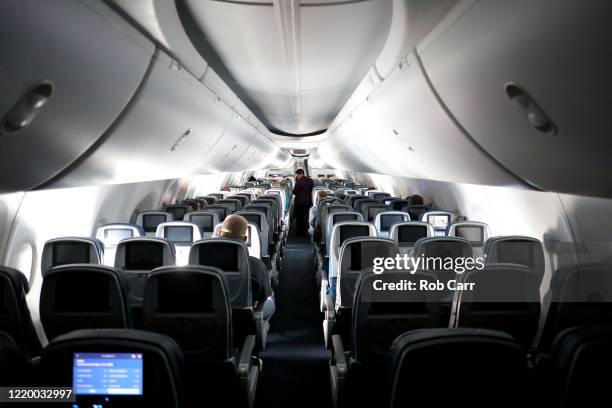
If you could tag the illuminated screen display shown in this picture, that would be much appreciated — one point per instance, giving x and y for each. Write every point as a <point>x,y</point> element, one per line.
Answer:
<point>107,374</point>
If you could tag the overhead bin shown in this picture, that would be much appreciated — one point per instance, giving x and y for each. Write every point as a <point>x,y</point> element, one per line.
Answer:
<point>61,88</point>
<point>175,127</point>
<point>530,81</point>
<point>401,129</point>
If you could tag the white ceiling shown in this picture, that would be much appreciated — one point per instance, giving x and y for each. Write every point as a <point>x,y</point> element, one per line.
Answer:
<point>296,61</point>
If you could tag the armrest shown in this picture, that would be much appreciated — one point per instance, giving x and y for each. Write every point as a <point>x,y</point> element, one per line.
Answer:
<point>330,308</point>
<point>266,260</point>
<point>245,363</point>
<point>338,355</point>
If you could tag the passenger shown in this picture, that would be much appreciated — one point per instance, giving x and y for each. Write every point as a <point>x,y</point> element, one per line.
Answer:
<point>339,192</point>
<point>303,201</point>
<point>313,214</point>
<point>415,200</point>
<point>235,226</point>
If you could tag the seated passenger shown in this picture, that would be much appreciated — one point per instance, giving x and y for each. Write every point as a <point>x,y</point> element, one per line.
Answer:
<point>235,226</point>
<point>415,199</point>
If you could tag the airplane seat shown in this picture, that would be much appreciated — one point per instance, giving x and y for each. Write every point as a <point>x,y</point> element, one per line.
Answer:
<point>272,212</point>
<point>397,204</point>
<point>205,220</point>
<point>407,233</point>
<point>359,371</point>
<point>208,199</point>
<point>14,365</point>
<point>152,363</point>
<point>191,305</point>
<point>356,259</point>
<point>371,210</point>
<point>579,295</point>
<point>219,196</point>
<point>266,208</point>
<point>111,234</point>
<point>383,221</point>
<point>244,200</point>
<point>83,296</point>
<point>232,257</point>
<point>350,200</point>
<point>340,233</point>
<point>335,218</point>
<point>359,204</point>
<point>260,221</point>
<point>221,210</point>
<point>325,211</point>
<point>488,368</point>
<point>136,257</point>
<point>504,297</point>
<point>182,234</point>
<point>253,241</point>
<point>380,196</point>
<point>475,232</point>
<point>149,220</point>
<point>580,356</point>
<point>195,204</point>
<point>15,317</point>
<point>71,250</point>
<point>516,249</point>
<point>416,211</point>
<point>437,249</point>
<point>178,211</point>
<point>233,204</point>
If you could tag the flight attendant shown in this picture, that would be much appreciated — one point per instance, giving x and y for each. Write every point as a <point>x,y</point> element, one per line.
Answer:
<point>302,202</point>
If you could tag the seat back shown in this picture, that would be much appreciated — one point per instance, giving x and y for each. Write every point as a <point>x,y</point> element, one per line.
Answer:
<point>380,196</point>
<point>232,257</point>
<point>149,220</point>
<point>370,211</point>
<point>439,219</point>
<point>515,249</point>
<point>360,202</point>
<point>233,204</point>
<point>259,219</point>
<point>407,233</point>
<point>350,200</point>
<point>83,296</point>
<point>580,355</point>
<point>244,199</point>
<point>475,232</point>
<point>579,295</point>
<point>416,211</point>
<point>152,365</point>
<point>488,359</point>
<point>335,218</point>
<point>191,305</point>
<point>219,195</point>
<point>111,234</point>
<point>205,220</point>
<point>379,316</point>
<point>193,203</point>
<point>178,211</point>
<point>15,318</point>
<point>271,211</point>
<point>503,297</point>
<point>180,233</point>
<point>71,250</point>
<point>356,259</point>
<point>386,219</point>
<point>208,199</point>
<point>265,209</point>
<point>325,211</point>
<point>221,210</point>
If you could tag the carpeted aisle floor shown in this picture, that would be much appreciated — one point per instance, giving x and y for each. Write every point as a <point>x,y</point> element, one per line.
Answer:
<point>295,363</point>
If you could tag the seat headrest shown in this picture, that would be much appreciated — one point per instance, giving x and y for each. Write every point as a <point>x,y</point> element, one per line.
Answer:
<point>149,220</point>
<point>162,363</point>
<point>350,229</point>
<point>179,232</point>
<point>205,220</point>
<point>199,295</point>
<point>83,296</point>
<point>144,254</point>
<point>16,279</point>
<point>111,234</point>
<point>71,250</point>
<point>443,247</point>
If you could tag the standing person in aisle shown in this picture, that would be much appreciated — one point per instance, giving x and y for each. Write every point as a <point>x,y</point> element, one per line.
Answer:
<point>303,201</point>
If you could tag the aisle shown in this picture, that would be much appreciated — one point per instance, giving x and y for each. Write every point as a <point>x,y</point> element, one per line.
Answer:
<point>295,363</point>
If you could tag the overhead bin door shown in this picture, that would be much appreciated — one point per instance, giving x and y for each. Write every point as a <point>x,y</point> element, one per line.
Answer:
<point>69,68</point>
<point>530,81</point>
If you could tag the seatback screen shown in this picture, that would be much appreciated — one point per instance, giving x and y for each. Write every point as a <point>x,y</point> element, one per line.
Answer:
<point>150,222</point>
<point>345,217</point>
<point>113,236</point>
<point>439,221</point>
<point>219,211</point>
<point>374,211</point>
<point>70,253</point>
<point>231,204</point>
<point>143,256</point>
<point>516,252</point>
<point>205,222</point>
<point>411,233</point>
<point>224,257</point>
<point>386,221</point>
<point>175,296</point>
<point>179,235</point>
<point>252,218</point>
<point>107,374</point>
<point>473,234</point>
<point>353,231</point>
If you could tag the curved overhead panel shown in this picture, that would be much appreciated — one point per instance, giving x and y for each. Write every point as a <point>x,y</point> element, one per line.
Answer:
<point>297,62</point>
